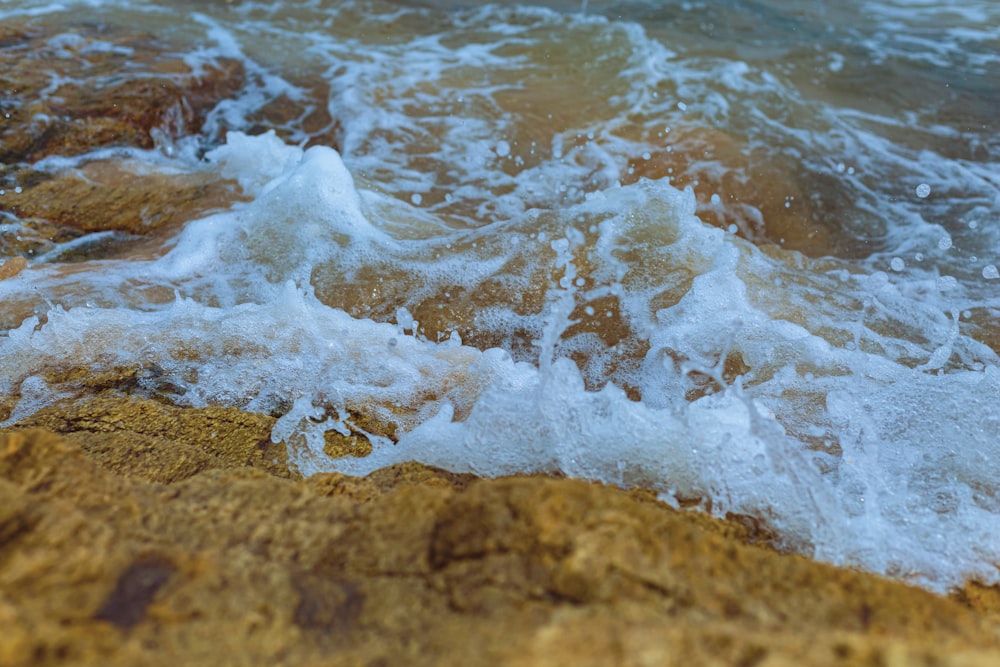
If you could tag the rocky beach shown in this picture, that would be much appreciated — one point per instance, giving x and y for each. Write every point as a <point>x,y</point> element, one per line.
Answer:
<point>140,526</point>
<point>132,532</point>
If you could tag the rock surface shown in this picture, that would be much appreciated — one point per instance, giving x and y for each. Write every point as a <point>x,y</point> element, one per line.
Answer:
<point>95,105</point>
<point>147,534</point>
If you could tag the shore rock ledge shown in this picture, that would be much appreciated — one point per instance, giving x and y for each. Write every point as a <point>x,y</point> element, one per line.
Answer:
<point>103,562</point>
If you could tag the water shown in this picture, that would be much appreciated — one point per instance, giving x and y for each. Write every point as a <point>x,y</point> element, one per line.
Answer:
<point>741,253</point>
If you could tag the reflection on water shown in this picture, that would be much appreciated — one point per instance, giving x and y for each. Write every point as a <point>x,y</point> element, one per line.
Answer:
<point>743,253</point>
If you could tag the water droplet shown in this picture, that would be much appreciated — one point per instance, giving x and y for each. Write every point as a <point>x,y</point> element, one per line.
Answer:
<point>416,199</point>
<point>503,149</point>
<point>897,264</point>
<point>923,190</point>
<point>947,282</point>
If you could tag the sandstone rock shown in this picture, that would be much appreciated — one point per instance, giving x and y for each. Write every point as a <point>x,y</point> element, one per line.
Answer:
<point>95,105</point>
<point>413,565</point>
<point>106,195</point>
<point>12,266</point>
<point>158,442</point>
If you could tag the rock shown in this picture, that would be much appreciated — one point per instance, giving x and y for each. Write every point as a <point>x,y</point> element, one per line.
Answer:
<point>158,442</point>
<point>106,195</point>
<point>93,104</point>
<point>12,266</point>
<point>412,565</point>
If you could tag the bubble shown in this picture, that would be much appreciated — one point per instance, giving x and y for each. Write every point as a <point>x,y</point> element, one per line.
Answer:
<point>923,190</point>
<point>503,148</point>
<point>897,264</point>
<point>682,106</point>
<point>990,272</point>
<point>716,200</point>
<point>416,198</point>
<point>17,190</point>
<point>944,243</point>
<point>947,282</point>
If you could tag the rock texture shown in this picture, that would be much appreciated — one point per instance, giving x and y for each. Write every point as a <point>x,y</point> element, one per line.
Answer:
<point>113,552</point>
<point>71,89</point>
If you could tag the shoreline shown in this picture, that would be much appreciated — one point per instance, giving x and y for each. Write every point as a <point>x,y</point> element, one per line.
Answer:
<point>149,534</point>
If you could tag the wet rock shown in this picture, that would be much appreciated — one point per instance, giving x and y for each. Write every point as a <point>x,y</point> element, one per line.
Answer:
<point>114,88</point>
<point>413,565</point>
<point>107,195</point>
<point>151,440</point>
<point>12,266</point>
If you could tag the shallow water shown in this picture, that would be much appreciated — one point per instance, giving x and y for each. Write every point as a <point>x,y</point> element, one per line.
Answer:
<point>742,253</point>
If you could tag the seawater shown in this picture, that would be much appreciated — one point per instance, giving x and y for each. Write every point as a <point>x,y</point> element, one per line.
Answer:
<point>741,253</point>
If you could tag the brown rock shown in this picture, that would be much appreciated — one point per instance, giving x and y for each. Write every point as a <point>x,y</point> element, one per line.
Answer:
<point>139,96</point>
<point>98,106</point>
<point>161,443</point>
<point>413,565</point>
<point>106,195</point>
<point>12,266</point>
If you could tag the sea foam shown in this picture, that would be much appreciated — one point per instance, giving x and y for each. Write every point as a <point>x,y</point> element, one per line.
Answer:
<point>832,433</point>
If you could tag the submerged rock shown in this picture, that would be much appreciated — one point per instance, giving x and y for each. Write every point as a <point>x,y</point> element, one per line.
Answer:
<point>109,555</point>
<point>105,195</point>
<point>71,88</point>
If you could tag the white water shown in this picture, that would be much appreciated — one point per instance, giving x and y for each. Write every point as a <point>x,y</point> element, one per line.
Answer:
<point>540,309</point>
